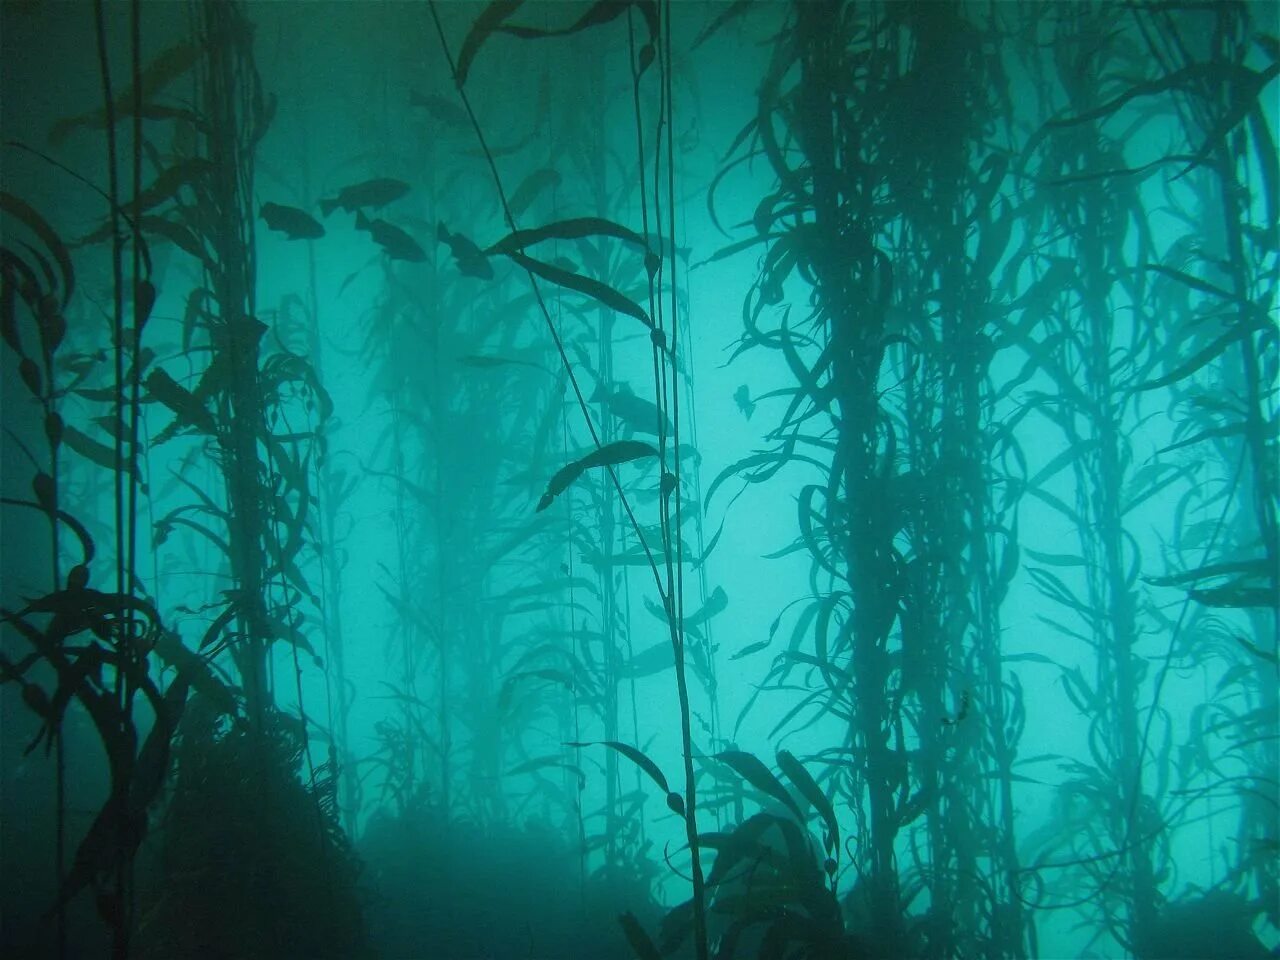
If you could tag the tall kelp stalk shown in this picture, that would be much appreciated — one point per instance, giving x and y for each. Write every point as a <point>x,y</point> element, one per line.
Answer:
<point>457,441</point>
<point>877,122</point>
<point>1102,373</point>
<point>1094,363</point>
<point>233,111</point>
<point>255,412</point>
<point>1220,72</point>
<point>868,222</point>
<point>852,280</point>
<point>408,755</point>
<point>96,645</point>
<point>954,510</point>
<point>92,645</point>
<point>649,47</point>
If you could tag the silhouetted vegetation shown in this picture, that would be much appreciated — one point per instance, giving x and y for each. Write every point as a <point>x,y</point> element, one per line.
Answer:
<point>638,478</point>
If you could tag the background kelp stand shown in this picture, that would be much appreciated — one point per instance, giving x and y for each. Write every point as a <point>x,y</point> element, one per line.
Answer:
<point>241,857</point>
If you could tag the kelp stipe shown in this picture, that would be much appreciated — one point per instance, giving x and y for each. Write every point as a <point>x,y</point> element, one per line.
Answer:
<point>240,410</point>
<point>1000,419</point>
<point>92,644</point>
<point>191,201</point>
<point>666,568</point>
<point>873,121</point>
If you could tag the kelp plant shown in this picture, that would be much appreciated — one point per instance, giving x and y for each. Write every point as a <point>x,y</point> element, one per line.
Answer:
<point>236,413</point>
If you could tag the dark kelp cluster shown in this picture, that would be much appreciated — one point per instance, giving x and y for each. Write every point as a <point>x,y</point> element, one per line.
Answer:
<point>363,590</point>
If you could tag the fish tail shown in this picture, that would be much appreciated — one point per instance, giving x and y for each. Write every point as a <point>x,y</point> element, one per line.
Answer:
<point>362,222</point>
<point>327,207</point>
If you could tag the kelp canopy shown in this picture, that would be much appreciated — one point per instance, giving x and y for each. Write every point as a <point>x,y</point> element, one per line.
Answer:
<point>639,479</point>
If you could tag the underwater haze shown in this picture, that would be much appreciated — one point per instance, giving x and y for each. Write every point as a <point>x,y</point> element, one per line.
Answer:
<point>780,479</point>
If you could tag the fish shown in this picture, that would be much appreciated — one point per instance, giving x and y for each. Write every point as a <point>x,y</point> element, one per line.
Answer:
<point>485,361</point>
<point>294,223</point>
<point>397,244</point>
<point>471,260</point>
<point>370,193</point>
<point>742,397</point>
<point>639,414</point>
<point>444,110</point>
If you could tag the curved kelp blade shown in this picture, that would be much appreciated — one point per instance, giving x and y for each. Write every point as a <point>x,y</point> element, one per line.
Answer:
<point>605,294</point>
<point>24,212</point>
<point>759,776</point>
<point>575,228</point>
<point>674,800</point>
<point>643,947</point>
<point>623,451</point>
<point>488,21</point>
<point>803,781</point>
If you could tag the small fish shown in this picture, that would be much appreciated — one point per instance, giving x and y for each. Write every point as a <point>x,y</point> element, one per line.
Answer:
<point>397,244</point>
<point>639,414</point>
<point>742,397</point>
<point>440,108</point>
<point>371,193</point>
<point>484,361</point>
<point>470,259</point>
<point>294,223</point>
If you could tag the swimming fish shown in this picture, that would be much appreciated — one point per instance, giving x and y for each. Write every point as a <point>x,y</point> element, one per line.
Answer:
<point>370,193</point>
<point>742,397</point>
<point>294,223</point>
<point>397,244</point>
<point>470,259</point>
<point>639,414</point>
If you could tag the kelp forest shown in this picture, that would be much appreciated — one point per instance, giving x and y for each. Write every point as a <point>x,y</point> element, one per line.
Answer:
<point>499,480</point>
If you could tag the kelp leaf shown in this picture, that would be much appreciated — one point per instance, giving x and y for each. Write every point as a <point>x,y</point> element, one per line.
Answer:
<point>647,662</point>
<point>196,670</point>
<point>93,450</point>
<point>575,228</point>
<point>486,24</point>
<point>177,234</point>
<point>1236,595</point>
<point>168,65</point>
<point>803,781</point>
<point>539,763</point>
<point>716,603</point>
<point>190,411</point>
<point>1199,360</point>
<point>631,753</point>
<point>750,649</point>
<point>169,182</point>
<point>623,451</point>
<point>602,292</point>
<point>641,945</point>
<point>530,188</point>
<point>1054,559</point>
<point>601,12</point>
<point>727,15</point>
<point>24,212</point>
<point>549,674</point>
<point>759,776</point>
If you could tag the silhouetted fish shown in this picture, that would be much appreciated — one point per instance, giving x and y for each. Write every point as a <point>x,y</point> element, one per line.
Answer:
<point>371,193</point>
<point>742,397</point>
<point>639,414</point>
<point>470,259</point>
<point>397,244</point>
<point>294,223</point>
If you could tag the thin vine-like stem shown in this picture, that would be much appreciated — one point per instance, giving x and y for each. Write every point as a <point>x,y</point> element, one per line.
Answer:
<point>542,305</point>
